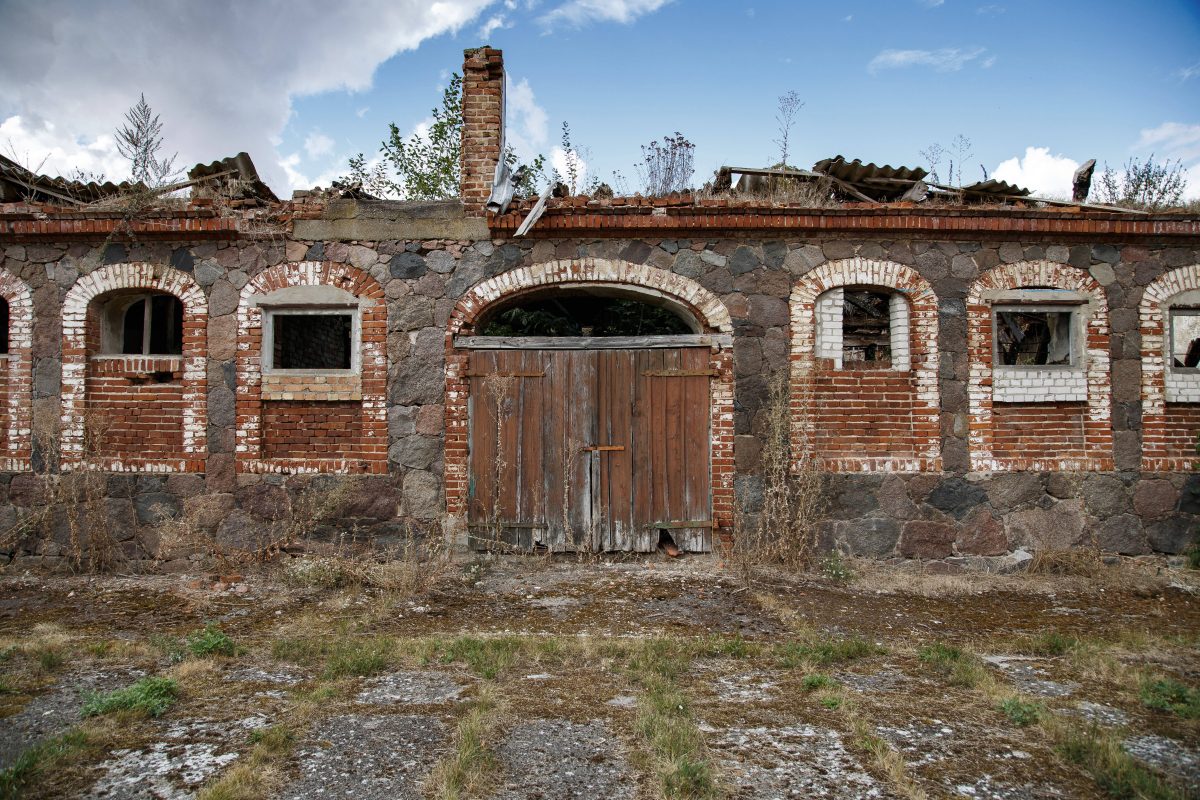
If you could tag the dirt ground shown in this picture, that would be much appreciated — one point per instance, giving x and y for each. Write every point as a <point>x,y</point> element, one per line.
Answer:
<point>538,678</point>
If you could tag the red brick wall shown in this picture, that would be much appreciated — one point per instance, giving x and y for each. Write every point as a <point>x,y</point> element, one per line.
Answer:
<point>1054,430</point>
<point>297,429</point>
<point>482,107</point>
<point>4,409</point>
<point>135,410</point>
<point>1173,436</point>
<point>865,413</point>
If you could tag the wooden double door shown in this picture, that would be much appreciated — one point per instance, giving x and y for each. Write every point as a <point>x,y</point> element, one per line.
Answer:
<point>590,450</point>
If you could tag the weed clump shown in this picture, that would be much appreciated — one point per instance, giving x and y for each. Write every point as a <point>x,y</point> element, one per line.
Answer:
<point>817,680</point>
<point>1168,694</point>
<point>211,641</point>
<point>1021,712</point>
<point>1112,768</point>
<point>825,651</point>
<point>23,774</point>
<point>960,666</point>
<point>149,696</point>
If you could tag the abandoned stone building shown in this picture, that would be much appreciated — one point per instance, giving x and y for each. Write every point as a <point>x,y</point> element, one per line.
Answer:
<point>970,378</point>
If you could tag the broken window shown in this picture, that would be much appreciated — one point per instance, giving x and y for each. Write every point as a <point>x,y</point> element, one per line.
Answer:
<point>316,340</point>
<point>866,329</point>
<point>1185,338</point>
<point>141,324</point>
<point>1035,336</point>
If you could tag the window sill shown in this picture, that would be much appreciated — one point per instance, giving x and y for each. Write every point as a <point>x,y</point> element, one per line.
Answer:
<point>312,386</point>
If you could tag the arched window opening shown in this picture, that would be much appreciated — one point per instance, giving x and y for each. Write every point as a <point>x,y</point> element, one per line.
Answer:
<point>145,323</point>
<point>582,313</point>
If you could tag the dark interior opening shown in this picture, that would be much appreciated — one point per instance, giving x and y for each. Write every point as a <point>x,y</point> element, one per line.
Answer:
<point>4,326</point>
<point>312,341</point>
<point>166,326</point>
<point>866,328</point>
<point>1031,338</point>
<point>582,315</point>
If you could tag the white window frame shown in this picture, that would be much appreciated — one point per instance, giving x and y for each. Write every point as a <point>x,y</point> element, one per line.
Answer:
<point>268,337</point>
<point>1075,331</point>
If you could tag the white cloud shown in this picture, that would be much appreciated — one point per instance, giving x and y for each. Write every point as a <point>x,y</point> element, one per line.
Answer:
<point>1042,173</point>
<point>947,59</point>
<point>1174,140</point>
<point>1187,73</point>
<point>45,147</point>
<point>988,62</point>
<point>526,130</point>
<point>990,9</point>
<point>558,160</point>
<point>577,13</point>
<point>848,18</point>
<point>362,112</point>
<point>931,3</point>
<point>491,26</point>
<point>74,68</point>
<point>318,144</point>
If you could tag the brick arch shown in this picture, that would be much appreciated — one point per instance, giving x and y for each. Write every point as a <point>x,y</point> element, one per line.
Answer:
<point>705,306</point>
<point>821,391</point>
<point>1168,430</point>
<point>707,309</point>
<point>139,275</point>
<point>17,375</point>
<point>1093,423</point>
<point>367,396</point>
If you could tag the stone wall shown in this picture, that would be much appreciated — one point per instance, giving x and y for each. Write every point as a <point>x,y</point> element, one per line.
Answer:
<point>952,510</point>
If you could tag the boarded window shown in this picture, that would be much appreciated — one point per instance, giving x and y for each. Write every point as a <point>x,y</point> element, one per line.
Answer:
<point>152,325</point>
<point>866,329</point>
<point>1034,337</point>
<point>312,341</point>
<point>1185,338</point>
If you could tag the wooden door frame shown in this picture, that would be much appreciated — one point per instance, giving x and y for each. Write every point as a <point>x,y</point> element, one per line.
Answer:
<point>715,332</point>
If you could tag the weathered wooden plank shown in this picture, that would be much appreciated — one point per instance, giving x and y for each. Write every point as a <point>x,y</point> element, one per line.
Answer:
<point>592,342</point>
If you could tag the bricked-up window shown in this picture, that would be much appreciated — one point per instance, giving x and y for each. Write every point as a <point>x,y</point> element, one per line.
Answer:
<point>1185,338</point>
<point>312,340</point>
<point>866,329</point>
<point>1035,336</point>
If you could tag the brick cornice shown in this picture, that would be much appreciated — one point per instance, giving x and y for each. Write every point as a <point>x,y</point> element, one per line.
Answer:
<point>638,216</point>
<point>25,227</point>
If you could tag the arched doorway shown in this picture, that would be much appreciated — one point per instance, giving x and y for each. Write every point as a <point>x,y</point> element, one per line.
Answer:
<point>589,424</point>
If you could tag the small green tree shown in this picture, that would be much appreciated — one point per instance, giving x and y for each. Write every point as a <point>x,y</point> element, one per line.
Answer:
<point>426,165</point>
<point>140,140</point>
<point>1145,184</point>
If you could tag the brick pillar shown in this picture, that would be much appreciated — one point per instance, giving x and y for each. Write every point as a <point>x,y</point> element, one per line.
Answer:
<point>483,121</point>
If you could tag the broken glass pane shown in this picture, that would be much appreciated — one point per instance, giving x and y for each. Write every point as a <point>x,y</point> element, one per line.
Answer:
<point>1033,338</point>
<point>866,329</point>
<point>1185,338</point>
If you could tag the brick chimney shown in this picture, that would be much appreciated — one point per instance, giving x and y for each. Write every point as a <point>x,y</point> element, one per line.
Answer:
<point>483,122</point>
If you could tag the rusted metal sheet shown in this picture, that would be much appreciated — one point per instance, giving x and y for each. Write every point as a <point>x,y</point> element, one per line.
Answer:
<point>590,450</point>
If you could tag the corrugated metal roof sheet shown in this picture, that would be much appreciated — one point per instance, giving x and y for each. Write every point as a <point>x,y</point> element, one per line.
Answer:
<point>18,183</point>
<point>243,171</point>
<point>857,172</point>
<point>995,187</point>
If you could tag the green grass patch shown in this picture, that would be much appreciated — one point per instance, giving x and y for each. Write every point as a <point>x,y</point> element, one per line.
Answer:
<point>487,657</point>
<point>1021,712</point>
<point>210,641</point>
<point>149,696</point>
<point>817,680</point>
<point>467,770</point>
<point>1168,694</point>
<point>359,658</point>
<point>1053,644</point>
<point>171,647</point>
<point>824,651</point>
<point>26,771</point>
<point>1114,770</point>
<point>961,667</point>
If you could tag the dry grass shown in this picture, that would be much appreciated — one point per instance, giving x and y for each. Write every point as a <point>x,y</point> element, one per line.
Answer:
<point>471,767</point>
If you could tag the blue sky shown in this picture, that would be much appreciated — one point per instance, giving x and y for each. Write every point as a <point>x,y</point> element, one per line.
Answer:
<point>1036,86</point>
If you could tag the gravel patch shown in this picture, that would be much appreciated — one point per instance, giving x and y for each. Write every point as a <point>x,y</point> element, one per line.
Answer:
<point>383,757</point>
<point>186,754</point>
<point>410,688</point>
<point>1101,714</point>
<point>1174,759</point>
<point>886,680</point>
<point>1030,679</point>
<point>745,687</point>
<point>557,758</point>
<point>52,713</point>
<point>795,761</point>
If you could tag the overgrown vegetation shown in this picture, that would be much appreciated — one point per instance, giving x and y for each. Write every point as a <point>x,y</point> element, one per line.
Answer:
<point>1114,770</point>
<point>211,641</point>
<point>1168,694</point>
<point>960,667</point>
<point>1150,185</point>
<point>140,141</point>
<point>666,167</point>
<point>825,650</point>
<point>27,771</point>
<point>1021,712</point>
